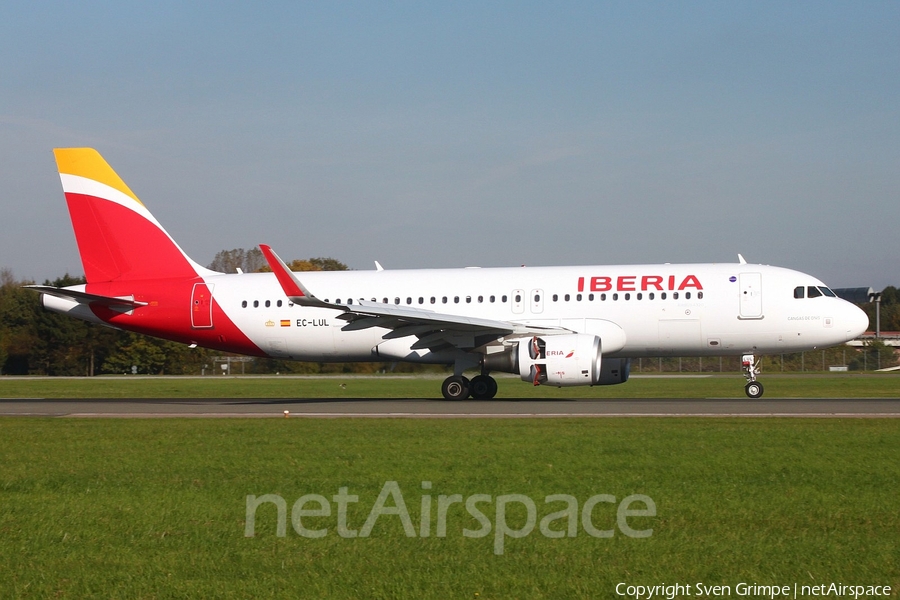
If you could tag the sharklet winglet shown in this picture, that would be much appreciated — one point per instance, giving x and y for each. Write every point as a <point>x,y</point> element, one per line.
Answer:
<point>293,288</point>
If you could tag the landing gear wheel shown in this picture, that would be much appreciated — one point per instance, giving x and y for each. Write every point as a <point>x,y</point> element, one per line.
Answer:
<point>455,388</point>
<point>754,389</point>
<point>750,367</point>
<point>484,387</point>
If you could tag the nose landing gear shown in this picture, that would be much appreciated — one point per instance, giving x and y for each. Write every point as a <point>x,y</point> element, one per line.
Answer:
<point>750,367</point>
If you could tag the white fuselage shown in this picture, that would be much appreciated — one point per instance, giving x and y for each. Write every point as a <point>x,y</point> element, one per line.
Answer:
<point>638,310</point>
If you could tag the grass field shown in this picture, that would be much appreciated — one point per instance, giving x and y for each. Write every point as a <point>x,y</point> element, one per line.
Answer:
<point>821,385</point>
<point>156,508</point>
<point>122,508</point>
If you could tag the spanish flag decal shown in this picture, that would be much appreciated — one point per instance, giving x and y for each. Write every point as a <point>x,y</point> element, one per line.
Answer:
<point>285,322</point>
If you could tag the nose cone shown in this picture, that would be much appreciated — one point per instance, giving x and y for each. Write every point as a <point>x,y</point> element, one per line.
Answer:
<point>856,321</point>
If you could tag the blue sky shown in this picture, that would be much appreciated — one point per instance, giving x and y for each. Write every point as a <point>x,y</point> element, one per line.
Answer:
<point>464,134</point>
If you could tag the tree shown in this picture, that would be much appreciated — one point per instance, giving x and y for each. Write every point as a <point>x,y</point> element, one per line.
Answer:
<point>229,261</point>
<point>17,334</point>
<point>253,261</point>
<point>890,310</point>
<point>312,264</point>
<point>327,264</point>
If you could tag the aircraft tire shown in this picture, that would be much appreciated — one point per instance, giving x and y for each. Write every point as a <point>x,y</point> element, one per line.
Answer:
<point>455,388</point>
<point>754,389</point>
<point>483,387</point>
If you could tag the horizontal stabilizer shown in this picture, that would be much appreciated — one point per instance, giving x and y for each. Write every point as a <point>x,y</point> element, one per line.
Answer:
<point>126,302</point>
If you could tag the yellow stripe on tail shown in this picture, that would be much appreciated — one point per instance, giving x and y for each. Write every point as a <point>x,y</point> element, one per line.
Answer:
<point>87,162</point>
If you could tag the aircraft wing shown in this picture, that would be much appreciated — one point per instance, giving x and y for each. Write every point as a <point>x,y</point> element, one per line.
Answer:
<point>434,330</point>
<point>85,298</point>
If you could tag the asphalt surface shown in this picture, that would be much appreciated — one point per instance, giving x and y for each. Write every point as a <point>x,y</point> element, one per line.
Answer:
<point>418,408</point>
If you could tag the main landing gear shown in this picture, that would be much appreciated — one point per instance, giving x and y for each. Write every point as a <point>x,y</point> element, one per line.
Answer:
<point>457,387</point>
<point>750,366</point>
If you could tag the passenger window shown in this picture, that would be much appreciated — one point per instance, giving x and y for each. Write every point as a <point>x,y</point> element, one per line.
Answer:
<point>518,297</point>
<point>432,299</point>
<point>492,299</point>
<point>455,299</point>
<point>591,297</point>
<point>628,296</point>
<point>244,304</point>
<point>504,298</point>
<point>687,295</point>
<point>798,292</point>
<point>278,304</point>
<point>480,299</point>
<point>615,296</point>
<point>408,300</point>
<point>468,299</point>
<point>567,297</point>
<point>349,300</point>
<point>396,300</point>
<point>578,297</point>
<point>662,296</point>
<point>651,296</point>
<point>640,296</point>
<point>256,304</point>
<point>444,300</point>
<point>555,297</point>
<point>812,292</point>
<point>603,297</point>
<point>675,295</point>
<point>700,295</point>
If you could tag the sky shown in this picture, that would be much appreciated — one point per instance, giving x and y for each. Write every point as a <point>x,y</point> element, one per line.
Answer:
<point>468,133</point>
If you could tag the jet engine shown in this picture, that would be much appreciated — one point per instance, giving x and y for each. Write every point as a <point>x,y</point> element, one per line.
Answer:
<point>560,360</point>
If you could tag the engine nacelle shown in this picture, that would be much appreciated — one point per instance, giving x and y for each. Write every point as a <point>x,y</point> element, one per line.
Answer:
<point>614,371</point>
<point>560,360</point>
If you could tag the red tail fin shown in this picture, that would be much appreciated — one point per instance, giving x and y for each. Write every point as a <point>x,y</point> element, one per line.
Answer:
<point>118,238</point>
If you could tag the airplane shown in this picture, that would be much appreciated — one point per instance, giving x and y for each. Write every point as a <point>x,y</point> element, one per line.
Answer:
<point>557,326</point>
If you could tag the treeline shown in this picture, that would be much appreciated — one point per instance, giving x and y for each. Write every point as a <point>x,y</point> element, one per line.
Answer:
<point>890,310</point>
<point>34,341</point>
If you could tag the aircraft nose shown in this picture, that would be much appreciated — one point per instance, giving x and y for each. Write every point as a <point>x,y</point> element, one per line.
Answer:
<point>857,321</point>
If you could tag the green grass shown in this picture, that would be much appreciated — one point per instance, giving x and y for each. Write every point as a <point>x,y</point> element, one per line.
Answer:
<point>882,385</point>
<point>155,508</point>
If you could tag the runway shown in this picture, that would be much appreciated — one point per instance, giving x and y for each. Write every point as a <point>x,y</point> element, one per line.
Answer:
<point>418,408</point>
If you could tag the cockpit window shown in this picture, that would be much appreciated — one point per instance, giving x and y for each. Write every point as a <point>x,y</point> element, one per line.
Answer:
<point>827,291</point>
<point>798,292</point>
<point>812,291</point>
